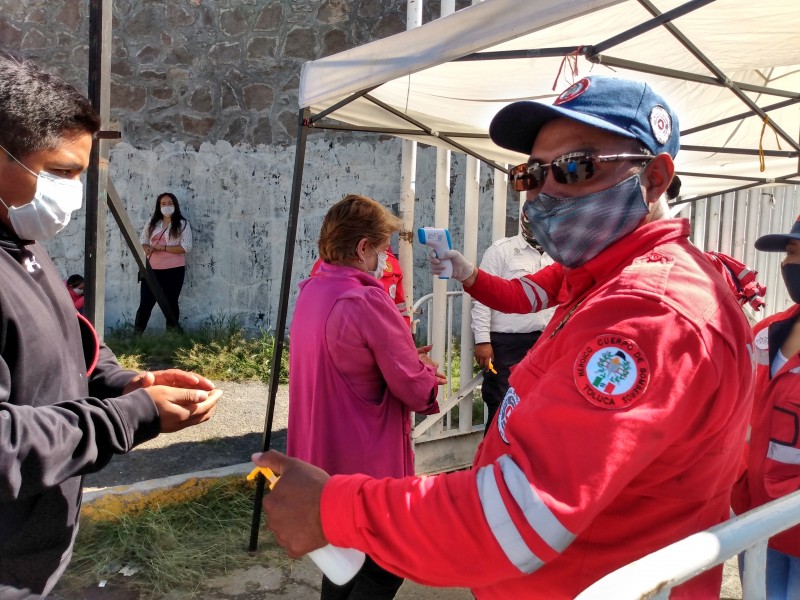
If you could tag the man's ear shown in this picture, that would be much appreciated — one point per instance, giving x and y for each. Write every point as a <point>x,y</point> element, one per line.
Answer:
<point>657,177</point>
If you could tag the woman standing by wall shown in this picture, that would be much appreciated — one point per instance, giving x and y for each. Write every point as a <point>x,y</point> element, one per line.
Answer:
<point>166,239</point>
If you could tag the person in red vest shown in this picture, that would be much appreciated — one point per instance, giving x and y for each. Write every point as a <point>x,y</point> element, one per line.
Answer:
<point>392,281</point>
<point>773,450</point>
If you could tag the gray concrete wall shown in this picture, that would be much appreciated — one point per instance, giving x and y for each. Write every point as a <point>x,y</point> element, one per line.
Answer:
<point>205,94</point>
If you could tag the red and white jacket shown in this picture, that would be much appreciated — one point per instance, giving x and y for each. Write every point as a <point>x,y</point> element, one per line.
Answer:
<point>773,457</point>
<point>621,434</point>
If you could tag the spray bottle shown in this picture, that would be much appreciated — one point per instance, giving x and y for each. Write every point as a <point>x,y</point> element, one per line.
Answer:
<point>339,565</point>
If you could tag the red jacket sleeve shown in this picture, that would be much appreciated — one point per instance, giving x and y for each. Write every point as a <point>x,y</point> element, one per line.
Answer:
<point>532,293</point>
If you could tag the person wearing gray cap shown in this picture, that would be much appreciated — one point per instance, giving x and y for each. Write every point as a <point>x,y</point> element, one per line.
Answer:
<point>623,426</point>
<point>773,457</point>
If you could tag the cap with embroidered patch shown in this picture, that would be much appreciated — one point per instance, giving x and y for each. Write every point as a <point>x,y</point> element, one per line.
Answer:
<point>776,242</point>
<point>622,106</point>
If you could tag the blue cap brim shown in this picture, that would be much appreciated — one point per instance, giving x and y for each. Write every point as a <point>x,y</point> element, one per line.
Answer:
<point>516,126</point>
<point>775,242</point>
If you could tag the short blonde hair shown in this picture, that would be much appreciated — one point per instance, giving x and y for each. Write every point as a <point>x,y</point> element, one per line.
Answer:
<point>350,220</point>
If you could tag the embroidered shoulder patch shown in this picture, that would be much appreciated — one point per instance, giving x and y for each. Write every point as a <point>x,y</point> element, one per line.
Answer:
<point>510,401</point>
<point>762,339</point>
<point>611,371</point>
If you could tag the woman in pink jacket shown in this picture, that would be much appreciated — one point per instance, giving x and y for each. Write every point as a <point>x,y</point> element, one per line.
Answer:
<point>355,374</point>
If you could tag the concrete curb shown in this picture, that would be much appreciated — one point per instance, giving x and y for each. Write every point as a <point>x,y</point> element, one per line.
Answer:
<point>107,503</point>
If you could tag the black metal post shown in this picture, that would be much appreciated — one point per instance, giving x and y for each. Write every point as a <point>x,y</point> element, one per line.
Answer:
<point>283,305</point>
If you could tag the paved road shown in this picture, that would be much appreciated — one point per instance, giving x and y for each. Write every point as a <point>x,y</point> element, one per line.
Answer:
<point>229,438</point>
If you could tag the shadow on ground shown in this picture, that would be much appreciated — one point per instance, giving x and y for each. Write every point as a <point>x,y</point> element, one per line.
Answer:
<point>143,464</point>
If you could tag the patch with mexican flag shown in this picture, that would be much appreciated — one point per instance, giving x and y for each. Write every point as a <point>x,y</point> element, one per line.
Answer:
<point>611,371</point>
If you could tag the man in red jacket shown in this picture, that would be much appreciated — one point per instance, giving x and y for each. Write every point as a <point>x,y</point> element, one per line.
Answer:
<point>622,429</point>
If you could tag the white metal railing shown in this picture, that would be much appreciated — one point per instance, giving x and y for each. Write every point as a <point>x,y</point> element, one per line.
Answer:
<point>654,575</point>
<point>450,404</point>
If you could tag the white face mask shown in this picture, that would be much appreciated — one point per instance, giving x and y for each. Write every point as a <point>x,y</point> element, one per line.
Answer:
<point>78,291</point>
<point>50,210</point>
<point>167,211</point>
<point>383,258</point>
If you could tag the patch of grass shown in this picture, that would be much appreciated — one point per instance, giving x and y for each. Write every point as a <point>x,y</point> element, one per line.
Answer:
<point>176,547</point>
<point>219,350</point>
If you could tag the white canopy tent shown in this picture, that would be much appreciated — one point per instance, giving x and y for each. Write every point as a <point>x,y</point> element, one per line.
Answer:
<point>723,65</point>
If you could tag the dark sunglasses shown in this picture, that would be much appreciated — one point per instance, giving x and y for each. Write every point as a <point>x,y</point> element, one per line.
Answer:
<point>575,167</point>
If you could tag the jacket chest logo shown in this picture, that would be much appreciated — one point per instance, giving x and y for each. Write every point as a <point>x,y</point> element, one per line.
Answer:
<point>611,371</point>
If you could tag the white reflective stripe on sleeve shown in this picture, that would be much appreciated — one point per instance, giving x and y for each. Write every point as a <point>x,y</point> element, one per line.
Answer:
<point>540,518</point>
<point>502,526</point>
<point>788,455</point>
<point>536,295</point>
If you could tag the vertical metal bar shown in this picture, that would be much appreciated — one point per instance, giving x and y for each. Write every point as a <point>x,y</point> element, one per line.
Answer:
<point>726,223</point>
<point>751,228</point>
<point>99,88</point>
<point>713,223</point>
<point>408,186</point>
<point>438,315</point>
<point>740,242</point>
<point>471,208</point>
<point>283,306</point>
<point>405,252</point>
<point>499,204</point>
<point>699,229</point>
<point>754,581</point>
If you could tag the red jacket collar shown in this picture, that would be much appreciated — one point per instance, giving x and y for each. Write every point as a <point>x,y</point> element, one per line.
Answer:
<point>620,253</point>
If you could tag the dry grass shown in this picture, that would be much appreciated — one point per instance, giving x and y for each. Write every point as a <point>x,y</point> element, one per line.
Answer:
<point>176,547</point>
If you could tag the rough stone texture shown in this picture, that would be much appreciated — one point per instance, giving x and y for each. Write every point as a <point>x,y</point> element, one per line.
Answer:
<point>205,95</point>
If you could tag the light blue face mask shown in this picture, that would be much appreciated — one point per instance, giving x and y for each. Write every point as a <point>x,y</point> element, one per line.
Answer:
<point>50,210</point>
<point>574,230</point>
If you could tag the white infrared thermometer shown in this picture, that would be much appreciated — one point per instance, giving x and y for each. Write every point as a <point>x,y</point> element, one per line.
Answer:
<point>439,240</point>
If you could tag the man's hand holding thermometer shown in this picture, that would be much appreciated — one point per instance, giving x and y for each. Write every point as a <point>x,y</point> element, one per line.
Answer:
<point>292,509</point>
<point>446,262</point>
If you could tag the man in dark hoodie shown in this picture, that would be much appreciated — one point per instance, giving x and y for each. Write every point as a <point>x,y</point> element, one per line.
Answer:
<point>66,406</point>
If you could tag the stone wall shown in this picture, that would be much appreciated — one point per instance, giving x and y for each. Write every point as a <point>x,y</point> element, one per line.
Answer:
<point>205,94</point>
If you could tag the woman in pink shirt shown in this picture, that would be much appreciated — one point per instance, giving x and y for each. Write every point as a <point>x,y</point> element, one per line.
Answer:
<point>355,375</point>
<point>166,239</point>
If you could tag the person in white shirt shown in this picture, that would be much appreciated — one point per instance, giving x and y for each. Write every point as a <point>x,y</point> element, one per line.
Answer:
<point>502,340</point>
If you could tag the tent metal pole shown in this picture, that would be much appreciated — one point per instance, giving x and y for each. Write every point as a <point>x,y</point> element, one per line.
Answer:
<point>333,108</point>
<point>557,52</point>
<point>283,305</point>
<point>744,151</point>
<point>786,179</point>
<point>763,180</point>
<point>433,133</point>
<point>398,132</point>
<point>659,20</point>
<point>739,117</point>
<point>632,65</point>
<point>721,77</point>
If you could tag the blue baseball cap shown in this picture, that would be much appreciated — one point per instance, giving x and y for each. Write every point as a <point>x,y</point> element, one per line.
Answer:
<point>776,242</point>
<point>622,106</point>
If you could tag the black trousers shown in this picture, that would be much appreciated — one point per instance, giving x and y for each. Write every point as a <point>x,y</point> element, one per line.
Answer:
<point>370,583</point>
<point>509,349</point>
<point>171,281</point>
